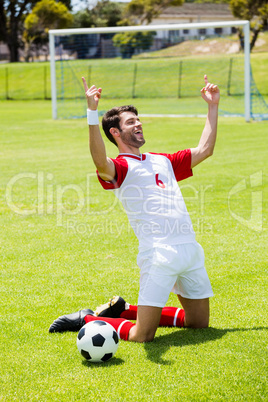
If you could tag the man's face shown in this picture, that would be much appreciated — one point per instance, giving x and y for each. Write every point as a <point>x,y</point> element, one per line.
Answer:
<point>131,130</point>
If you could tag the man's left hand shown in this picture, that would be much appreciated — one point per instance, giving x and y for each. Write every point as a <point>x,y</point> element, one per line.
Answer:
<point>210,92</point>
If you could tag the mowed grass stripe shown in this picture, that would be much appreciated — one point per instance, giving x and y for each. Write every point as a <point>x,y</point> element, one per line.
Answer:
<point>56,262</point>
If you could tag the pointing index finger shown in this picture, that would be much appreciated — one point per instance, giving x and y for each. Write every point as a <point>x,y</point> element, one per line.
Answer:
<point>85,84</point>
<point>206,79</point>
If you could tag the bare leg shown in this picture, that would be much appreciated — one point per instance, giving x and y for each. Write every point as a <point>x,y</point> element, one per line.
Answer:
<point>147,322</point>
<point>196,312</point>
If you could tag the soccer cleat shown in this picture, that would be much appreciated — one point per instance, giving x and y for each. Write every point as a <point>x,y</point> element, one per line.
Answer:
<point>70,322</point>
<point>113,308</point>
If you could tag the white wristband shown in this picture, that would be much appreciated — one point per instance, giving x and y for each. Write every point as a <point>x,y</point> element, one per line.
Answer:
<point>92,117</point>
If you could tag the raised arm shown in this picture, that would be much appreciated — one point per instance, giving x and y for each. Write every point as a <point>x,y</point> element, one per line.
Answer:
<point>104,164</point>
<point>211,94</point>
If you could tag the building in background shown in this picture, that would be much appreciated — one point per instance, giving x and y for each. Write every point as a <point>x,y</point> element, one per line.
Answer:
<point>190,13</point>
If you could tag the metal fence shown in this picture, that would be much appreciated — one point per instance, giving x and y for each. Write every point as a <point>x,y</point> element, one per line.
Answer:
<point>25,81</point>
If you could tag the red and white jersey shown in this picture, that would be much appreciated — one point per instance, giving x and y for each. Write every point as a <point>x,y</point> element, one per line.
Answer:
<point>148,189</point>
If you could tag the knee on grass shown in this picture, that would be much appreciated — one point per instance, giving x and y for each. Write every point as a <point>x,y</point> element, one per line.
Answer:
<point>197,324</point>
<point>135,336</point>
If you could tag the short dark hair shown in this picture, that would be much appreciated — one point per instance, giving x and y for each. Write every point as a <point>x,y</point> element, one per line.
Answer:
<point>112,119</point>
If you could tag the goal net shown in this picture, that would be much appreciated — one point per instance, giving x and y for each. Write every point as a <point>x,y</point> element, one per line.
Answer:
<point>158,68</point>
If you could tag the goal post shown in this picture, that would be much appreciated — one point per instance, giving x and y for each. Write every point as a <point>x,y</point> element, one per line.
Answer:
<point>67,66</point>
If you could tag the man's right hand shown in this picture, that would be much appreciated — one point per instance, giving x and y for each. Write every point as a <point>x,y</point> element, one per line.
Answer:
<point>93,95</point>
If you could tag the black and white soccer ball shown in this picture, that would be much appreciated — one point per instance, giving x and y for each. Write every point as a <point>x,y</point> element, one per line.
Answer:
<point>97,341</point>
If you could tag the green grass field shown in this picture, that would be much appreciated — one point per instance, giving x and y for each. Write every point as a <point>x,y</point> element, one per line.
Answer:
<point>157,86</point>
<point>66,245</point>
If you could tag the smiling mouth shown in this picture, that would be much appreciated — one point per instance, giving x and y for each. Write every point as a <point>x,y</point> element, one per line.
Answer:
<point>138,133</point>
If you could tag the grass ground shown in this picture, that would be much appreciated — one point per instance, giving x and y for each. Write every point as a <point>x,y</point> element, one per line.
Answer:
<point>156,86</point>
<point>75,249</point>
<point>156,77</point>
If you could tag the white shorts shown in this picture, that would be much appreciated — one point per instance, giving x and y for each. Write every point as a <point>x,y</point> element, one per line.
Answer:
<point>179,269</point>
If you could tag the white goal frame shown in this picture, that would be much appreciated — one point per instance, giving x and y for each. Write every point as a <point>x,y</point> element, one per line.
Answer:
<point>142,28</point>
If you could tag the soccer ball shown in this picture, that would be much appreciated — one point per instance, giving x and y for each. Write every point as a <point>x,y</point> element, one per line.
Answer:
<point>97,341</point>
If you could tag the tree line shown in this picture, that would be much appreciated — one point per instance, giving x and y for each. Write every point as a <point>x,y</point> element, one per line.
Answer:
<point>25,23</point>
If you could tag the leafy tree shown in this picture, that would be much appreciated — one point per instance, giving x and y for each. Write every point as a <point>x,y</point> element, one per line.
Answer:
<point>108,13</point>
<point>12,14</point>
<point>83,19</point>
<point>104,14</point>
<point>255,11</point>
<point>129,41</point>
<point>46,14</point>
<point>143,11</point>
